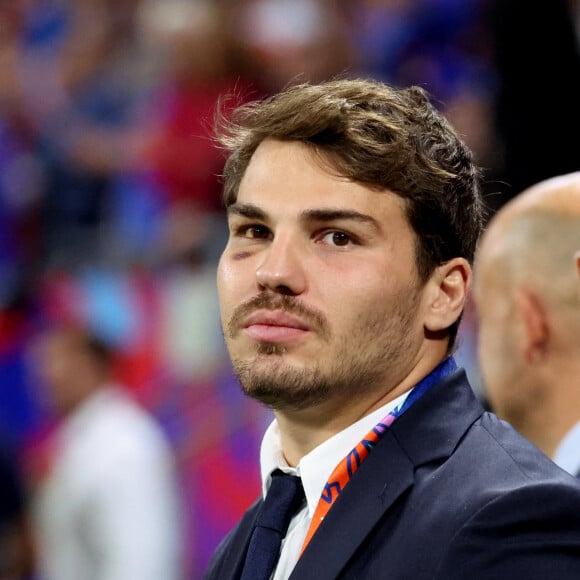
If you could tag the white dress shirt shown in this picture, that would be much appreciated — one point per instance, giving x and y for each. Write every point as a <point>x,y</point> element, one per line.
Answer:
<point>314,469</point>
<point>108,509</point>
<point>567,454</point>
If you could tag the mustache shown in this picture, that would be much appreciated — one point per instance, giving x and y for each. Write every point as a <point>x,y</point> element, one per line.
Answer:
<point>314,318</point>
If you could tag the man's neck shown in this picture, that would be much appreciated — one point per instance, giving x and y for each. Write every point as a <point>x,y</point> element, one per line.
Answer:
<point>557,412</point>
<point>303,430</point>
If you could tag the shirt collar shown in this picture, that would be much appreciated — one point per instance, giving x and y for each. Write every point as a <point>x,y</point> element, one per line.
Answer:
<point>92,406</point>
<point>316,467</point>
<point>566,455</point>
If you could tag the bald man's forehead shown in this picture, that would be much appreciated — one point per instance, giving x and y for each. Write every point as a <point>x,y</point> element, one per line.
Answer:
<point>560,193</point>
<point>557,198</point>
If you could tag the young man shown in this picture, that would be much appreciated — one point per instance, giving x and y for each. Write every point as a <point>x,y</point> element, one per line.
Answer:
<point>528,307</point>
<point>354,212</point>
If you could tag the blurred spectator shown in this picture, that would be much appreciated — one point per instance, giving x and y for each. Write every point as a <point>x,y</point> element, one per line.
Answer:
<point>180,150</point>
<point>529,316</point>
<point>291,40</point>
<point>188,329</point>
<point>20,174</point>
<point>176,166</point>
<point>81,58</point>
<point>108,507</point>
<point>537,58</point>
<point>442,45</point>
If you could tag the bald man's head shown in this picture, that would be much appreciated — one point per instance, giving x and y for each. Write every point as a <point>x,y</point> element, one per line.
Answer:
<point>534,239</point>
<point>527,293</point>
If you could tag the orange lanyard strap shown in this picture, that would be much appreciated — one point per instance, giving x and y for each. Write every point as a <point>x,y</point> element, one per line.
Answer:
<point>346,468</point>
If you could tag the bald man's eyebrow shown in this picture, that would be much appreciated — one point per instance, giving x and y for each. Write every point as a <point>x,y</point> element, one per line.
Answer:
<point>333,215</point>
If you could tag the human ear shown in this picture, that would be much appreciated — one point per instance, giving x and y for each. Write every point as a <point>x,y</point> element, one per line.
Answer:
<point>577,258</point>
<point>447,291</point>
<point>535,324</point>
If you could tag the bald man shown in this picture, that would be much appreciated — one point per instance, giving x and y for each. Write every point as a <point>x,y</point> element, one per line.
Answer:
<point>528,305</point>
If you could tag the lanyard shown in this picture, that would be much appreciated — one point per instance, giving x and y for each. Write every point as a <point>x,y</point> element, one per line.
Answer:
<point>347,466</point>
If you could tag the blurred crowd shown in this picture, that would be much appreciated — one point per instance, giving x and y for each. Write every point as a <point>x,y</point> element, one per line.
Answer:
<point>110,214</point>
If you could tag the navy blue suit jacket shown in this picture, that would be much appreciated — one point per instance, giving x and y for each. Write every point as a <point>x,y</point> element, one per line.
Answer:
<point>449,493</point>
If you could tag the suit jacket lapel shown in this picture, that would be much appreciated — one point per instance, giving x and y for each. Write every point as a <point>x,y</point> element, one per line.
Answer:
<point>371,491</point>
<point>429,430</point>
<point>433,426</point>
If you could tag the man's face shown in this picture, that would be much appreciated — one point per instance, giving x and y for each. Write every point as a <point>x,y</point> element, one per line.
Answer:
<point>319,293</point>
<point>61,365</point>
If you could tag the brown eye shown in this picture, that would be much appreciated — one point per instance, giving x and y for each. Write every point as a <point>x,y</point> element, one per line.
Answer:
<point>340,239</point>
<point>337,239</point>
<point>253,232</point>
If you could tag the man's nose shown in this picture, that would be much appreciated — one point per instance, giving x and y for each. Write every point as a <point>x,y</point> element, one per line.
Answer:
<point>282,268</point>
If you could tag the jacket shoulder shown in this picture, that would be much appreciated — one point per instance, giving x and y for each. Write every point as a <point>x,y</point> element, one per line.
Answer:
<point>228,557</point>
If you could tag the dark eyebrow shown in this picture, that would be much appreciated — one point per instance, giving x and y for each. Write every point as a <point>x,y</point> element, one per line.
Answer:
<point>252,211</point>
<point>246,210</point>
<point>330,215</point>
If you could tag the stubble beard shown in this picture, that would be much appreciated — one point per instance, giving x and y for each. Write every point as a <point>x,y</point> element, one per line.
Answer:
<point>361,363</point>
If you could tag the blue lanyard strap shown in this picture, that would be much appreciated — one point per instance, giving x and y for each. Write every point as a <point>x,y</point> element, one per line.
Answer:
<point>442,370</point>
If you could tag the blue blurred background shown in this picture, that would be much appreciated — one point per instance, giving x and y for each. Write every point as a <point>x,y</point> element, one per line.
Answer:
<point>110,212</point>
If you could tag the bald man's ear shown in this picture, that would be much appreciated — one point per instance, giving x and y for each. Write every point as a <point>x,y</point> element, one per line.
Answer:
<point>535,324</point>
<point>447,291</point>
<point>577,258</point>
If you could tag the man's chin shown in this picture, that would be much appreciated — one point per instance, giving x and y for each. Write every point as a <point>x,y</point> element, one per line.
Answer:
<point>273,381</point>
<point>280,398</point>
